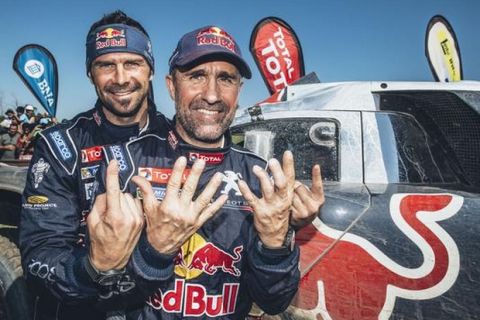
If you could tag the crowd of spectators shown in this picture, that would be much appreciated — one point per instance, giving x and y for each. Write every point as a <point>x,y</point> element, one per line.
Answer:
<point>18,131</point>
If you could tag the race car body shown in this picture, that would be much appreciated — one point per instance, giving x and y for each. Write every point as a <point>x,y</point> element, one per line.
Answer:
<point>399,234</point>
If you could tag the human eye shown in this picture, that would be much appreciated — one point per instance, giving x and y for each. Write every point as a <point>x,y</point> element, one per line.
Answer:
<point>105,66</point>
<point>197,77</point>
<point>132,65</point>
<point>227,79</point>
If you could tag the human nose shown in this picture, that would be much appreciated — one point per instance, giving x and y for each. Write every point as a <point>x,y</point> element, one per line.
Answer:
<point>121,75</point>
<point>211,94</point>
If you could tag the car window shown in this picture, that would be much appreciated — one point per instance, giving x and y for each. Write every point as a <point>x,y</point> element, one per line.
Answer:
<point>311,140</point>
<point>408,153</point>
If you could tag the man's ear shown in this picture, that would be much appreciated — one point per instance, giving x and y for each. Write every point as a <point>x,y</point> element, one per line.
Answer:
<point>89,75</point>
<point>151,76</point>
<point>170,86</point>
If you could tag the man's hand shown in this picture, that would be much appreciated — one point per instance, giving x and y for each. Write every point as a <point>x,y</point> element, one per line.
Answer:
<point>307,202</point>
<point>10,147</point>
<point>173,221</point>
<point>114,224</point>
<point>272,211</point>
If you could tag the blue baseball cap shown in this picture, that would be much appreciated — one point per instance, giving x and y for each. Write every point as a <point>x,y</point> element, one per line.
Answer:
<point>205,44</point>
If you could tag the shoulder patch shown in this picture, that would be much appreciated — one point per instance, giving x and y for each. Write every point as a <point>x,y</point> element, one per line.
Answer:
<point>62,147</point>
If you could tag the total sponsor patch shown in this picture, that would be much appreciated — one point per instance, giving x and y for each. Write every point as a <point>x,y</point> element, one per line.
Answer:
<point>160,175</point>
<point>237,205</point>
<point>92,154</point>
<point>89,172</point>
<point>209,158</point>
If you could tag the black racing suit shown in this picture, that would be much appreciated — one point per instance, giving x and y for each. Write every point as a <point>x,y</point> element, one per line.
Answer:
<point>57,197</point>
<point>223,267</point>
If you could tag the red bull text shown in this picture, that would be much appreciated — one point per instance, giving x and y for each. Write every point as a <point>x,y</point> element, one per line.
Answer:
<point>193,300</point>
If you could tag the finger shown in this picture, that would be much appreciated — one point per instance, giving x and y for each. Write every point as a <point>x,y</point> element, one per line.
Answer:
<point>148,195</point>
<point>317,183</point>
<point>139,205</point>
<point>206,196</point>
<point>266,184</point>
<point>175,181</point>
<point>299,210</point>
<point>280,181</point>
<point>133,211</point>
<point>190,185</point>
<point>211,210</point>
<point>112,186</point>
<point>247,194</point>
<point>300,215</point>
<point>99,207</point>
<point>288,165</point>
<point>308,199</point>
<point>128,205</point>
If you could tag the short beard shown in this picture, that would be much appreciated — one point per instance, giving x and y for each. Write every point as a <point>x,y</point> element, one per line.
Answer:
<point>110,106</point>
<point>120,114</point>
<point>191,127</point>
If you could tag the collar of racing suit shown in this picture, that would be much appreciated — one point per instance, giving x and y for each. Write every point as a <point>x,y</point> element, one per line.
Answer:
<point>212,156</point>
<point>127,132</point>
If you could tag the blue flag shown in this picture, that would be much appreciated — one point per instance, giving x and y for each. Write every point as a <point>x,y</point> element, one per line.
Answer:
<point>37,68</point>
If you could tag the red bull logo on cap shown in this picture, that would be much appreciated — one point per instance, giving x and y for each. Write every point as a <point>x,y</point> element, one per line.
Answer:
<point>216,36</point>
<point>110,33</point>
<point>110,37</point>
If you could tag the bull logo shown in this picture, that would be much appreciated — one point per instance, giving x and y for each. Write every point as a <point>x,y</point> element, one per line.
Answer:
<point>230,178</point>
<point>355,280</point>
<point>39,169</point>
<point>197,256</point>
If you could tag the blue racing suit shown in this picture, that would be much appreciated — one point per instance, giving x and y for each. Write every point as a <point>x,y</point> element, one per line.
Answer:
<point>223,267</point>
<point>57,197</point>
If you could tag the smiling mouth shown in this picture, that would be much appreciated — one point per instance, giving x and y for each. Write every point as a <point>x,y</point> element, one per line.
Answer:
<point>208,112</point>
<point>122,93</point>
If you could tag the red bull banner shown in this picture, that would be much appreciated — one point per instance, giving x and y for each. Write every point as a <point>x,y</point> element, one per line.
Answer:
<point>37,68</point>
<point>277,53</point>
<point>442,51</point>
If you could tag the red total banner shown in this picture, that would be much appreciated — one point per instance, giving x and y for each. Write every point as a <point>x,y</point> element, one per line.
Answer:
<point>277,53</point>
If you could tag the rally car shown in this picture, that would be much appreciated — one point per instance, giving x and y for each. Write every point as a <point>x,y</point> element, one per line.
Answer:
<point>399,234</point>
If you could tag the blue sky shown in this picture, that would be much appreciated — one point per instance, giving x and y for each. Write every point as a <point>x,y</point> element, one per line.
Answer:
<point>342,40</point>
